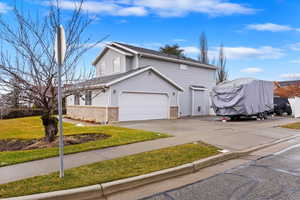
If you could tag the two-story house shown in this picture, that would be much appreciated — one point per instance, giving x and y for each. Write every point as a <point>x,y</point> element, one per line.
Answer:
<point>135,83</point>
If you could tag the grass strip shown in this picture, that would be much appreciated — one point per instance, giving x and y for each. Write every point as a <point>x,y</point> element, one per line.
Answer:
<point>110,170</point>
<point>292,125</point>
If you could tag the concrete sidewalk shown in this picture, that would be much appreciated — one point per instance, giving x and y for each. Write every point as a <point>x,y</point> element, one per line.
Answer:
<point>231,136</point>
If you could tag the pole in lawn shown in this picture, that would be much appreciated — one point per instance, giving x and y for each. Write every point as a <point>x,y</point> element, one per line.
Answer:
<point>60,51</point>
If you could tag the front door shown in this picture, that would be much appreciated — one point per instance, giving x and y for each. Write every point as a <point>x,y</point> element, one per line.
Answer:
<point>200,102</point>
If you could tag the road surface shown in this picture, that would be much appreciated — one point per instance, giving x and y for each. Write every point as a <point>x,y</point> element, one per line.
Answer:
<point>275,177</point>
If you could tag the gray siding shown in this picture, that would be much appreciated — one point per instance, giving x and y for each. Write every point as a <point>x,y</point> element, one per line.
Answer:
<point>144,82</point>
<point>108,58</point>
<point>185,78</point>
<point>99,99</point>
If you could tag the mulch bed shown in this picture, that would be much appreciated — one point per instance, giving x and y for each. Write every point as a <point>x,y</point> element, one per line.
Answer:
<point>28,144</point>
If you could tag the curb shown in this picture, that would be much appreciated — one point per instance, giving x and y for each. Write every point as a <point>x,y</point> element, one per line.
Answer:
<point>100,191</point>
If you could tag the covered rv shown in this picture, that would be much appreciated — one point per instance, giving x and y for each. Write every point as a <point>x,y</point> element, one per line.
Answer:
<point>243,97</point>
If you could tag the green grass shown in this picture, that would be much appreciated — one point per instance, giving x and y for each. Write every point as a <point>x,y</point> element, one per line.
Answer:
<point>31,127</point>
<point>292,126</point>
<point>110,170</point>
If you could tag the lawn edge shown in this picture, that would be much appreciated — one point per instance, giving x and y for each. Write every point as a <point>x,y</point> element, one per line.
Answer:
<point>164,135</point>
<point>105,189</point>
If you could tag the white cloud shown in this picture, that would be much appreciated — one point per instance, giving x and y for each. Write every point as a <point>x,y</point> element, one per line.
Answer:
<point>290,76</point>
<point>102,7</point>
<point>179,40</point>
<point>252,70</point>
<point>295,61</point>
<point>164,8</point>
<point>133,11</point>
<point>270,27</point>
<point>4,8</point>
<point>295,47</point>
<point>191,50</point>
<point>265,52</point>
<point>170,8</point>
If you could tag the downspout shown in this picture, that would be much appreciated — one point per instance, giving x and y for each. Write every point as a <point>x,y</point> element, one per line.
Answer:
<point>107,106</point>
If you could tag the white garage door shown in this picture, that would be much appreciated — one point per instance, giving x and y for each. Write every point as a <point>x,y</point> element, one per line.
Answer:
<point>143,106</point>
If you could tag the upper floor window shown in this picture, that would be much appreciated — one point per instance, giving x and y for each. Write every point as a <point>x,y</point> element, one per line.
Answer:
<point>102,67</point>
<point>88,98</point>
<point>116,65</point>
<point>77,99</point>
<point>183,67</point>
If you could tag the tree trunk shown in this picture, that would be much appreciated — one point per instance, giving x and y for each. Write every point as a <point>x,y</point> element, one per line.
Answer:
<point>50,124</point>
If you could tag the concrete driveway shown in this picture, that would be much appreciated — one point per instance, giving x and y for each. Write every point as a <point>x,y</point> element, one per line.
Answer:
<point>237,135</point>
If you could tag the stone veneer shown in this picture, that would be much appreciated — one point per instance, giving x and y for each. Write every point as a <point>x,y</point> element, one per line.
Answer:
<point>98,114</point>
<point>93,113</point>
<point>174,112</point>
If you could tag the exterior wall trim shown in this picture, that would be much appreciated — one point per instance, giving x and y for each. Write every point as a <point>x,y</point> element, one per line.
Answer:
<point>141,71</point>
<point>127,49</point>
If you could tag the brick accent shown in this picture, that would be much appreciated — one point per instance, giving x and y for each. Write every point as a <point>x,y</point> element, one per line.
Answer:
<point>90,113</point>
<point>113,114</point>
<point>174,112</point>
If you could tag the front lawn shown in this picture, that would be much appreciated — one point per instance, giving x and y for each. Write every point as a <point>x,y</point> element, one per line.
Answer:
<point>31,127</point>
<point>110,170</point>
<point>292,126</point>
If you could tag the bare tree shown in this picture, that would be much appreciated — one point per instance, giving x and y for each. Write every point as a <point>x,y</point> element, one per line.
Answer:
<point>222,74</point>
<point>27,57</point>
<point>203,55</point>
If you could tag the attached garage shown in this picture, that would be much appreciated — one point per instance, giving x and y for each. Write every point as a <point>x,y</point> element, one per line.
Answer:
<point>143,106</point>
<point>142,94</point>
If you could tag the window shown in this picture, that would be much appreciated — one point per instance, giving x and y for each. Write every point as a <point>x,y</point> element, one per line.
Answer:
<point>77,99</point>
<point>88,98</point>
<point>102,68</point>
<point>183,67</point>
<point>117,65</point>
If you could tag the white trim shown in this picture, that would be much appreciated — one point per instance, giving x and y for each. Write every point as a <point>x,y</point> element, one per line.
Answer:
<point>141,71</point>
<point>178,105</point>
<point>126,48</point>
<point>198,89</point>
<point>107,105</point>
<point>118,50</point>
<point>193,104</point>
<point>145,92</point>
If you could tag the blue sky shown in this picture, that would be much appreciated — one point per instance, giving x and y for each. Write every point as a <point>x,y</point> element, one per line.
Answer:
<point>261,38</point>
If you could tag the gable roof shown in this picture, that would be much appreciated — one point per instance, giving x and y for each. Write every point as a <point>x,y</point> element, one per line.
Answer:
<point>287,83</point>
<point>160,55</point>
<point>106,81</point>
<point>131,50</point>
<point>107,47</point>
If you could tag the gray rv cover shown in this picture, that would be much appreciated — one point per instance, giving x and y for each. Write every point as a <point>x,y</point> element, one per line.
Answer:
<point>245,96</point>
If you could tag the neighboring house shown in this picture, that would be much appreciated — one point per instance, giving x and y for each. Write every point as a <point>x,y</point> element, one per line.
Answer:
<point>135,83</point>
<point>287,89</point>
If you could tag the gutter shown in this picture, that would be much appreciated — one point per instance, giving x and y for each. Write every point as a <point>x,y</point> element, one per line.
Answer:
<point>179,61</point>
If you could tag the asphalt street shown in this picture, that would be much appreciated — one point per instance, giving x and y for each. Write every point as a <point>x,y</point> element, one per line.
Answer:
<point>274,177</point>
